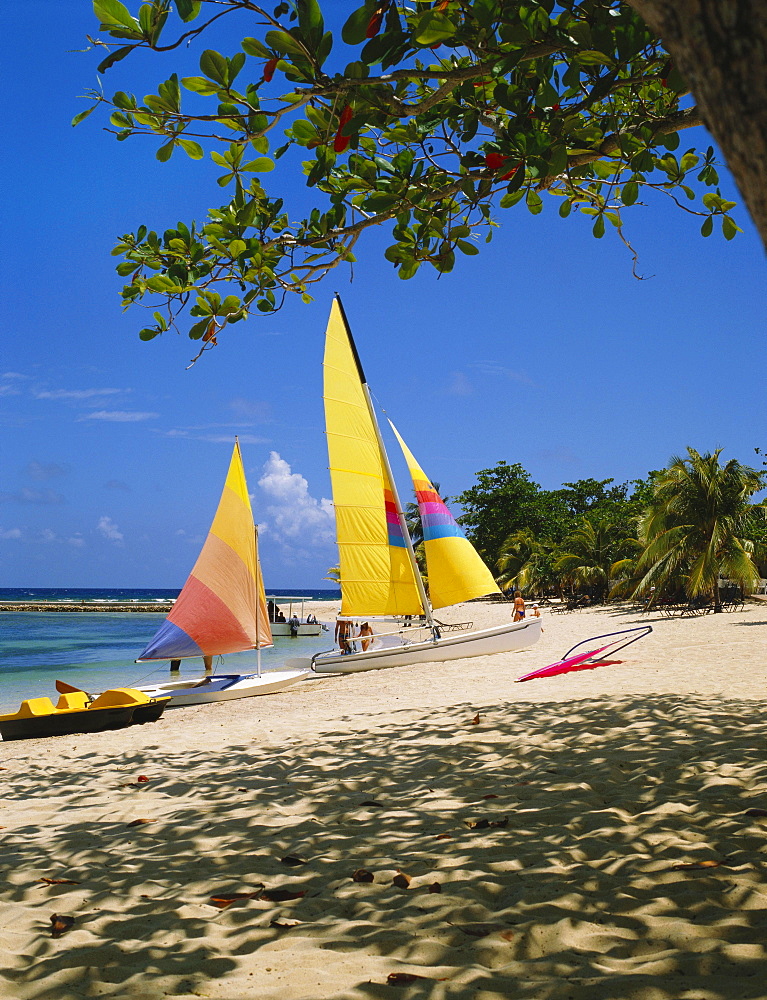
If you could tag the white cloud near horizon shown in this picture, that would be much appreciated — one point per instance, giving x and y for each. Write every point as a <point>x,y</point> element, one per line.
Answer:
<point>109,530</point>
<point>293,516</point>
<point>119,416</point>
<point>29,496</point>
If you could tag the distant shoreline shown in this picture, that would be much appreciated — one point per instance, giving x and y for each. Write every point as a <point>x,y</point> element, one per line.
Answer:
<point>158,607</point>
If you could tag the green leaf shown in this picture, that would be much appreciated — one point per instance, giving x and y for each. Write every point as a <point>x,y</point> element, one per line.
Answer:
<point>188,9</point>
<point>689,160</point>
<point>197,331</point>
<point>708,226</point>
<point>260,166</point>
<point>214,66</point>
<point>114,57</point>
<point>165,152</point>
<point>729,228</point>
<point>255,47</point>
<point>191,148</point>
<point>200,85</point>
<point>281,41</point>
<point>83,115</point>
<point>512,198</point>
<point>433,26</point>
<point>630,193</point>
<point>236,247</point>
<point>112,12</point>
<point>148,334</point>
<point>669,139</point>
<point>534,203</point>
<point>565,208</point>
<point>470,249</point>
<point>598,229</point>
<point>356,26</point>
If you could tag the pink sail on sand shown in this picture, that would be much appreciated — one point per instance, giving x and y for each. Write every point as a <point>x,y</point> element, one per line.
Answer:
<point>592,658</point>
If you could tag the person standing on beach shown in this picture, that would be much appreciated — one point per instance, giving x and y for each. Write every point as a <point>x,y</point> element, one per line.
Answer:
<point>519,606</point>
<point>343,630</point>
<point>366,636</point>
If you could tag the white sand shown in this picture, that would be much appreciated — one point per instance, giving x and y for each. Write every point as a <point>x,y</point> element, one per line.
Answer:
<point>602,781</point>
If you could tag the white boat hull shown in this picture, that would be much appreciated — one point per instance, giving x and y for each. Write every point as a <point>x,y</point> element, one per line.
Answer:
<point>283,628</point>
<point>506,638</point>
<point>184,692</point>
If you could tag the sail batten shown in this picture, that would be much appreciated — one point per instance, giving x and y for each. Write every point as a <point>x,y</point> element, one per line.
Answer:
<point>377,576</point>
<point>455,570</point>
<point>222,607</point>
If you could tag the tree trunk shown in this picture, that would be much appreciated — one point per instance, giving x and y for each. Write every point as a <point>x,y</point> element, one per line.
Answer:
<point>720,48</point>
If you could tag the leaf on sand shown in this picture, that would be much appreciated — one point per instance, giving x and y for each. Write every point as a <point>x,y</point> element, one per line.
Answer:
<point>401,880</point>
<point>362,875</point>
<point>284,923</point>
<point>435,887</point>
<point>58,881</point>
<point>281,895</point>
<point>222,900</point>
<point>403,978</point>
<point>486,824</point>
<point>141,779</point>
<point>756,812</point>
<point>490,796</point>
<point>61,924</point>
<point>694,865</point>
<point>372,804</point>
<point>507,935</point>
<point>475,720</point>
<point>444,836</point>
<point>292,860</point>
<point>139,822</point>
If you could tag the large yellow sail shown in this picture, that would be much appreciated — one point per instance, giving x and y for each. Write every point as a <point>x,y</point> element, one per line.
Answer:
<point>456,572</point>
<point>377,576</point>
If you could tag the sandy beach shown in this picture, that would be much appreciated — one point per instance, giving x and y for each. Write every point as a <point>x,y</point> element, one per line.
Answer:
<point>594,836</point>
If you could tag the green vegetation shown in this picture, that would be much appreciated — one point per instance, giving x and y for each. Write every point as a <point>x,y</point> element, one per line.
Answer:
<point>429,119</point>
<point>676,532</point>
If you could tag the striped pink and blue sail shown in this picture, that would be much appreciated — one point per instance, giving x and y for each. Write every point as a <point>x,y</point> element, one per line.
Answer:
<point>455,571</point>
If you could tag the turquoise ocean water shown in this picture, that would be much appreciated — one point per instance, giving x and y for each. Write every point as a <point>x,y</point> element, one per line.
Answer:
<point>97,650</point>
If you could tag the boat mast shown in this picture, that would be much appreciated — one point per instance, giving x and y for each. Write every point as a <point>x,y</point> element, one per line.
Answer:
<point>387,466</point>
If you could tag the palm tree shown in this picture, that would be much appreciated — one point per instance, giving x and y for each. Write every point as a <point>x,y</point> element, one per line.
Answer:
<point>592,551</point>
<point>527,562</point>
<point>334,574</point>
<point>698,524</point>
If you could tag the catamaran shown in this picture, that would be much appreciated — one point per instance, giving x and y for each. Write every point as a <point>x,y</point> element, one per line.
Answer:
<point>221,608</point>
<point>378,568</point>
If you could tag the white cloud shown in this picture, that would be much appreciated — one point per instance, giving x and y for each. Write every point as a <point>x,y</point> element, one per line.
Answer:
<point>41,471</point>
<point>250,409</point>
<point>109,530</point>
<point>460,385</point>
<point>29,496</point>
<point>187,434</point>
<point>119,416</point>
<point>294,517</point>
<point>77,541</point>
<point>8,533</point>
<point>9,390</point>
<point>76,394</point>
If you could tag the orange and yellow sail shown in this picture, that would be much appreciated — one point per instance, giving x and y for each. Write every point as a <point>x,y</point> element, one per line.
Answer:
<point>456,572</point>
<point>222,607</point>
<point>377,576</point>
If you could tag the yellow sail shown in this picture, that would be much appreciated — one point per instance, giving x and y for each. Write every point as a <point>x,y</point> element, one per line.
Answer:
<point>456,572</point>
<point>377,576</point>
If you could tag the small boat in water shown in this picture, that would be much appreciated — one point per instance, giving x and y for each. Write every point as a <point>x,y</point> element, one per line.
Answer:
<point>76,712</point>
<point>221,609</point>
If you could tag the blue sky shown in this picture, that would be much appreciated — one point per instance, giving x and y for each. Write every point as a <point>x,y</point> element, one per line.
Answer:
<point>542,350</point>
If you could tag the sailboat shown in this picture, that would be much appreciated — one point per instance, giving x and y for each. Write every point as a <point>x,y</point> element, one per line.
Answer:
<point>221,608</point>
<point>378,568</point>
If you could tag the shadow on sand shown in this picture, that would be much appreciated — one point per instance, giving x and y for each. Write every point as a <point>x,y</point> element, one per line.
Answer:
<point>553,833</point>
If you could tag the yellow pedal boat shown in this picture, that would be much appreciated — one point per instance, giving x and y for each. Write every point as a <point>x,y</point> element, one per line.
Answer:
<point>77,712</point>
